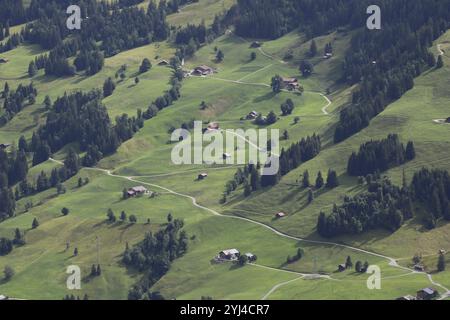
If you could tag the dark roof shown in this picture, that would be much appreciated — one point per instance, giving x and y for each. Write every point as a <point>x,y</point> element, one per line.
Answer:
<point>290,80</point>
<point>204,68</point>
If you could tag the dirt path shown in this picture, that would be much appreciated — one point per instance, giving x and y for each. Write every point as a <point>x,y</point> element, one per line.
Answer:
<point>324,109</point>
<point>392,261</point>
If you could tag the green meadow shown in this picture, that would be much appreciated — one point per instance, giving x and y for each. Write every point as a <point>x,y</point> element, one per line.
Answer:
<point>240,86</point>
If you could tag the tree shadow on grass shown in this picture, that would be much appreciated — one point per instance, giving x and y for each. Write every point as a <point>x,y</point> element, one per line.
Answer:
<point>100,224</point>
<point>125,225</point>
<point>235,266</point>
<point>265,97</point>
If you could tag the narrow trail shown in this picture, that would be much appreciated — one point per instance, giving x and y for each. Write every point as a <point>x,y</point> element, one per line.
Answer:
<point>324,109</point>
<point>257,71</point>
<point>392,261</point>
<point>273,58</point>
<point>276,287</point>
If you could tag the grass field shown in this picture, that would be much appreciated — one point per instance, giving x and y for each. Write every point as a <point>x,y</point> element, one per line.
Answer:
<point>239,86</point>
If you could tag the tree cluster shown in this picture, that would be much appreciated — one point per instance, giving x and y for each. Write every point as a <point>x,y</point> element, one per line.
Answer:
<point>16,100</point>
<point>384,205</point>
<point>380,155</point>
<point>155,254</point>
<point>432,188</point>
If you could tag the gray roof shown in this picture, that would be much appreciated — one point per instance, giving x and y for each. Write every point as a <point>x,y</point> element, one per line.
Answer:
<point>428,290</point>
<point>230,252</point>
<point>139,189</point>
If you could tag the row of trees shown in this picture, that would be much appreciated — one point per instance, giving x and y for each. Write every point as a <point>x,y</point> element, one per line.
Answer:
<point>388,206</point>
<point>332,180</point>
<point>81,117</point>
<point>123,217</point>
<point>383,63</point>
<point>4,30</point>
<point>117,28</point>
<point>380,155</point>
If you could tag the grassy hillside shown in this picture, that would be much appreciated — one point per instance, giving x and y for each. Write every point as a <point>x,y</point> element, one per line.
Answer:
<point>240,86</point>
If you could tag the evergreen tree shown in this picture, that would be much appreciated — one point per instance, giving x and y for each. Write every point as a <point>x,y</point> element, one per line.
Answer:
<point>410,152</point>
<point>441,263</point>
<point>306,68</point>
<point>310,196</point>
<point>247,189</point>
<point>271,118</point>
<point>313,48</point>
<point>18,237</point>
<point>108,87</point>
<point>276,84</point>
<point>305,179</point>
<point>332,179</point>
<point>47,103</point>
<point>255,179</point>
<point>358,266</point>
<point>287,107</point>
<point>123,216</point>
<point>319,180</point>
<point>23,144</point>
<point>32,70</point>
<point>365,267</point>
<point>146,65</point>
<point>242,261</point>
<point>285,135</point>
<point>8,273</point>
<point>440,62</point>
<point>348,263</point>
<point>35,224</point>
<point>65,211</point>
<point>111,216</point>
<point>72,163</point>
<point>436,203</point>
<point>220,56</point>
<point>93,271</point>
